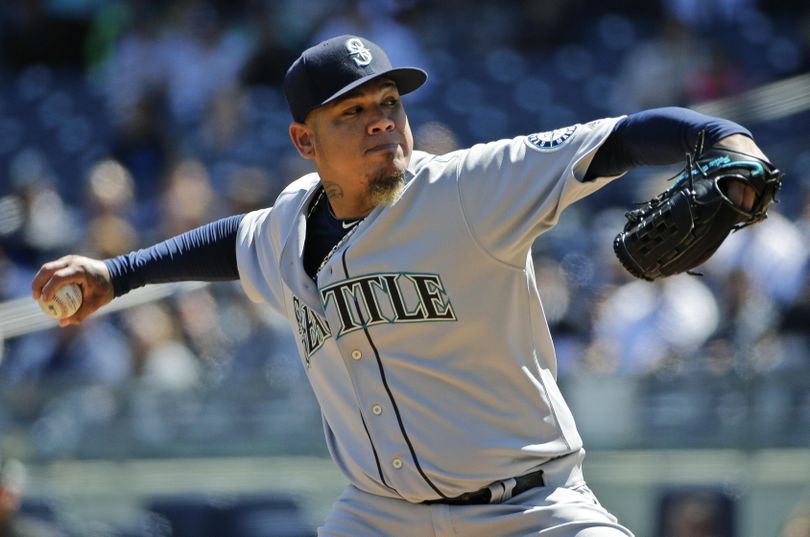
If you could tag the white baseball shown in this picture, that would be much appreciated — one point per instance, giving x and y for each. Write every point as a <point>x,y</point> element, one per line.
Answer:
<point>65,302</point>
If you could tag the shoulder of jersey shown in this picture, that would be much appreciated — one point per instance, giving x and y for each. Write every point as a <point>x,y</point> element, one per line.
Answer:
<point>302,184</point>
<point>289,200</point>
<point>420,159</point>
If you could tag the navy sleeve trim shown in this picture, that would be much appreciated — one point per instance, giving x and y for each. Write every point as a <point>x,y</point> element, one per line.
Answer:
<point>657,137</point>
<point>207,253</point>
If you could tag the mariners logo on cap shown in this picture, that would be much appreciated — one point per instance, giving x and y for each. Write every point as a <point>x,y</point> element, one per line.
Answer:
<point>358,52</point>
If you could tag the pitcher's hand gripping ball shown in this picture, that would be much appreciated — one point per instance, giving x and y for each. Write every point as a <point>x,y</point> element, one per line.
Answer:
<point>65,302</point>
<point>682,227</point>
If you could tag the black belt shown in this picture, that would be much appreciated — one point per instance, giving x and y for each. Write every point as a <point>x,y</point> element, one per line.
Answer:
<point>497,492</point>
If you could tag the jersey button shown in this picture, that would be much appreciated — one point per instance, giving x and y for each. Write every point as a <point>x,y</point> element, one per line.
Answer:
<point>376,409</point>
<point>356,354</point>
<point>397,463</point>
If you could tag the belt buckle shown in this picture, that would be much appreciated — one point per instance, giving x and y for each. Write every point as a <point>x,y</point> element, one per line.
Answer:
<point>500,491</point>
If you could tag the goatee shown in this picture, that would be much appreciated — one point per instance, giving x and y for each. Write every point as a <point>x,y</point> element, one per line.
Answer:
<point>386,189</point>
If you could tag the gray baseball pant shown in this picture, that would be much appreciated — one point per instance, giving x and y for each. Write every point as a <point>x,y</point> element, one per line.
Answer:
<point>564,507</point>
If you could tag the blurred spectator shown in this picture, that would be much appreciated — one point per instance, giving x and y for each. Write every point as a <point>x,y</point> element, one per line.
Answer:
<point>97,353</point>
<point>198,322</point>
<point>134,70</point>
<point>225,119</point>
<point>161,360</point>
<point>200,59</point>
<point>263,345</point>
<point>773,253</point>
<point>188,199</point>
<point>184,54</point>
<point>794,329</point>
<point>110,189</point>
<point>718,77</point>
<point>110,202</point>
<point>109,235</point>
<point>13,478</point>
<point>746,311</point>
<point>655,72</point>
<point>248,188</point>
<point>222,123</point>
<point>140,144</point>
<point>273,52</point>
<point>640,324</point>
<point>36,222</point>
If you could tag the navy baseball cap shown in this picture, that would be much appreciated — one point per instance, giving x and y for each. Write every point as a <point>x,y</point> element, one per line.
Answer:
<point>330,69</point>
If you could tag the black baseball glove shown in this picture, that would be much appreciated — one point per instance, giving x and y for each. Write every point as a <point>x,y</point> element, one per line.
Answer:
<point>682,227</point>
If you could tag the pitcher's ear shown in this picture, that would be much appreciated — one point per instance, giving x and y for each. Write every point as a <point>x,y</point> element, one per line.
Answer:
<point>303,140</point>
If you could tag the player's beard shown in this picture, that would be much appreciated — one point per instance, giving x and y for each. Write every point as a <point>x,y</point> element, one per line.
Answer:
<point>385,189</point>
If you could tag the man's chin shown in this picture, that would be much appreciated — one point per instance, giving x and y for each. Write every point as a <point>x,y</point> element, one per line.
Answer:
<point>386,189</point>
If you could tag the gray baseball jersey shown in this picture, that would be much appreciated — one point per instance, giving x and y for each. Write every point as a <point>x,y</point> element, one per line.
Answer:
<point>424,337</point>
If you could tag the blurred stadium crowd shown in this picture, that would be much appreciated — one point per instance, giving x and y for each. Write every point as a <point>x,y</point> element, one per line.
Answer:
<point>125,122</point>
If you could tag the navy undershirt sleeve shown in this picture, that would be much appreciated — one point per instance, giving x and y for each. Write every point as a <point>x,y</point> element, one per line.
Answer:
<point>207,253</point>
<point>657,137</point>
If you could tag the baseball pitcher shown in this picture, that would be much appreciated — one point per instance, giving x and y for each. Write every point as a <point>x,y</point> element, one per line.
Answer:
<point>408,280</point>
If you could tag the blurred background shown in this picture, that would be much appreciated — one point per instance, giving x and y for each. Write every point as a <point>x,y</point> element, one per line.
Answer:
<point>183,410</point>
